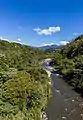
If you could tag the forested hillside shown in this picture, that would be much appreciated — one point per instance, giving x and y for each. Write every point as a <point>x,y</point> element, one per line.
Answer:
<point>24,85</point>
<point>69,62</point>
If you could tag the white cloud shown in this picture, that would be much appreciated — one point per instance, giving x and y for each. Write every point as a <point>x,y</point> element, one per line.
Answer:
<point>37,29</point>
<point>1,38</point>
<point>48,31</point>
<point>19,39</point>
<point>63,42</point>
<point>16,41</point>
<point>47,44</point>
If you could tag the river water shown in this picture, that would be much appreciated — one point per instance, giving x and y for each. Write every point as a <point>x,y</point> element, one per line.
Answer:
<point>65,103</point>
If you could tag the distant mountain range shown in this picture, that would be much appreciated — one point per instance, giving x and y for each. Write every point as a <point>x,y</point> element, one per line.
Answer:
<point>50,47</point>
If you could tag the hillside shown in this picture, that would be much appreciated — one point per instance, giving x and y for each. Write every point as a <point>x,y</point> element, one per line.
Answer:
<point>24,85</point>
<point>75,48</point>
<point>69,62</point>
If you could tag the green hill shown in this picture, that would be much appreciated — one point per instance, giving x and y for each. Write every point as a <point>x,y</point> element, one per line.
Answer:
<point>69,62</point>
<point>24,85</point>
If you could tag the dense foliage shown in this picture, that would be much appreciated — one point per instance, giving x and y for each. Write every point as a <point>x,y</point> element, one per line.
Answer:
<point>69,62</point>
<point>24,85</point>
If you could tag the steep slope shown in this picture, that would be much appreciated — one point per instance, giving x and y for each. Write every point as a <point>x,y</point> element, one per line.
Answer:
<point>24,85</point>
<point>69,61</point>
<point>73,49</point>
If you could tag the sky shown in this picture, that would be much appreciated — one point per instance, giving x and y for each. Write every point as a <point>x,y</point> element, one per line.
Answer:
<point>41,22</point>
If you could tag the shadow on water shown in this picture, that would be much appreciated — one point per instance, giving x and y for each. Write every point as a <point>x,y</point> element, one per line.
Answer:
<point>76,89</point>
<point>60,75</point>
<point>57,72</point>
<point>56,107</point>
<point>79,91</point>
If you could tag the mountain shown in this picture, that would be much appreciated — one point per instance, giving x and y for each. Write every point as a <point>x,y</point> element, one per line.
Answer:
<point>52,47</point>
<point>74,48</point>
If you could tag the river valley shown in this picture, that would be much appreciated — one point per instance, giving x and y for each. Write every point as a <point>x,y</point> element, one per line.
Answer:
<point>65,103</point>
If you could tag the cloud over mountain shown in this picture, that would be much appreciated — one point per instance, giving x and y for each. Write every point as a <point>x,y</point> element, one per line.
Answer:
<point>19,39</point>
<point>63,42</point>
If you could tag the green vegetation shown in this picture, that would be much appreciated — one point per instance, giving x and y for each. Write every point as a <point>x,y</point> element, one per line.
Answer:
<point>24,85</point>
<point>69,62</point>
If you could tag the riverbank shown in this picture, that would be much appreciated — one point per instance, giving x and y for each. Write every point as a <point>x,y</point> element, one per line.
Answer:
<point>43,114</point>
<point>65,102</point>
<point>48,72</point>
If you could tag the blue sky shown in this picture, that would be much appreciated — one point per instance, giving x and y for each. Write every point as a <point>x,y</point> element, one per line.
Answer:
<point>41,22</point>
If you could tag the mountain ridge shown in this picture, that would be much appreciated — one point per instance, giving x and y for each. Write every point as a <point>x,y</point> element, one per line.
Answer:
<point>52,47</point>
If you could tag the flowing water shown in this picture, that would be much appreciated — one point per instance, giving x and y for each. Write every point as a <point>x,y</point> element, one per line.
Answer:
<point>65,103</point>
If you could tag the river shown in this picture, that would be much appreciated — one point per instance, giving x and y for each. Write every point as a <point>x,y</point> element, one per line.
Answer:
<point>65,103</point>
